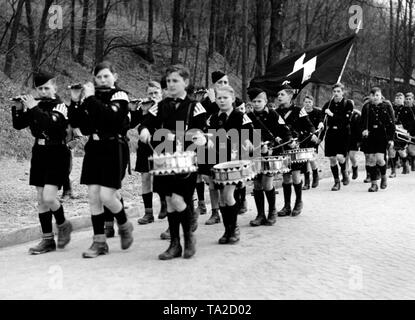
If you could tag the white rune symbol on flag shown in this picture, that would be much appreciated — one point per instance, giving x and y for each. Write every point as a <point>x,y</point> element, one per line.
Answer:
<point>309,67</point>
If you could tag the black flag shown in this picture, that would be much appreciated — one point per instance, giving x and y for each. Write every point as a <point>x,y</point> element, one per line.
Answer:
<point>322,64</point>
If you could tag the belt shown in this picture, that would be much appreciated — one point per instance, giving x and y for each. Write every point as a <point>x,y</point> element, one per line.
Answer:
<point>46,142</point>
<point>97,137</point>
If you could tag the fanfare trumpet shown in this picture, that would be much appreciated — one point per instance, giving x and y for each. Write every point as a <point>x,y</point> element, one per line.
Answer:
<point>403,135</point>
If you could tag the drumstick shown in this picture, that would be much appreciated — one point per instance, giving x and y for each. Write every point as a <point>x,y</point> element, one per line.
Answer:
<point>283,144</point>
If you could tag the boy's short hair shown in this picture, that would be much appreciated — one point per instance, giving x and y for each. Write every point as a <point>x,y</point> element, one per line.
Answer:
<point>180,69</point>
<point>338,85</point>
<point>399,94</point>
<point>153,84</point>
<point>309,97</point>
<point>409,94</point>
<point>228,89</point>
<point>375,89</point>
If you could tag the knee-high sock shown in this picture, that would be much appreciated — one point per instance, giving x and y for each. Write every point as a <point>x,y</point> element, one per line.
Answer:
<point>270,194</point>
<point>298,188</point>
<point>287,193</point>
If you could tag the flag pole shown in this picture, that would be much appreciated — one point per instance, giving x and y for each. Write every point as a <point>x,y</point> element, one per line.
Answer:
<point>348,54</point>
<point>340,76</point>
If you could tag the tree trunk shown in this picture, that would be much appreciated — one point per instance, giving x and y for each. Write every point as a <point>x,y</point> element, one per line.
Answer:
<point>73,28</point>
<point>42,34</point>
<point>31,31</point>
<point>150,30</point>
<point>12,41</point>
<point>82,36</point>
<point>212,37</point>
<point>409,50</point>
<point>176,32</point>
<point>392,62</point>
<point>277,24</point>
<point>244,48</point>
<point>260,38</point>
<point>99,33</point>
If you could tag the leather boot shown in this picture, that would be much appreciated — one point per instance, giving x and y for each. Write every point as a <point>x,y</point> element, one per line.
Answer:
<point>234,232</point>
<point>125,231</point>
<point>316,179</point>
<point>335,172</point>
<point>189,237</point>
<point>165,235</point>
<point>412,161</point>
<point>47,244</point>
<point>286,210</point>
<point>272,212</point>
<point>175,249</point>
<point>336,186</point>
<point>214,218</point>
<point>259,201</point>
<point>374,187</point>
<point>225,218</point>
<point>147,218</point>
<point>64,234</point>
<point>306,185</point>
<point>346,179</point>
<point>393,167</point>
<point>201,207</point>
<point>298,200</point>
<point>99,247</point>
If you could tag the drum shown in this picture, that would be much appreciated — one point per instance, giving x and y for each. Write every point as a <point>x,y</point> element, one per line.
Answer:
<point>170,164</point>
<point>233,172</point>
<point>299,155</point>
<point>271,165</point>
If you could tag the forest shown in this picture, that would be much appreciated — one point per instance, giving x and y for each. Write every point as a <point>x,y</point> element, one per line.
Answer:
<point>240,37</point>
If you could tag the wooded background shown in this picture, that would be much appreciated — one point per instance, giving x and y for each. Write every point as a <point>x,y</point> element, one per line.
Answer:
<point>239,37</point>
<point>193,31</point>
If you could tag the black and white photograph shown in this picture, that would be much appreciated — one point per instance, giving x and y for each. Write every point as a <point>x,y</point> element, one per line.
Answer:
<point>207,155</point>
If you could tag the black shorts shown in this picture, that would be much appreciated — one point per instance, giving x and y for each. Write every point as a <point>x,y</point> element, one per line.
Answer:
<point>49,165</point>
<point>143,152</point>
<point>181,184</point>
<point>376,142</point>
<point>354,145</point>
<point>105,162</point>
<point>336,142</point>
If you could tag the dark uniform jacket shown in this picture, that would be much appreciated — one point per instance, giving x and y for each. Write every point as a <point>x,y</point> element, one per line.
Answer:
<point>342,112</point>
<point>316,116</point>
<point>406,117</point>
<point>170,112</point>
<point>297,121</point>
<point>270,125</point>
<point>237,121</point>
<point>43,120</point>
<point>104,114</point>
<point>378,119</point>
<point>210,107</point>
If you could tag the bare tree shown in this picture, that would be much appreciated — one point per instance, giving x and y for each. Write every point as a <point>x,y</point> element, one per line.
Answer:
<point>244,47</point>
<point>100,31</point>
<point>277,27</point>
<point>12,41</point>
<point>260,38</point>
<point>84,28</point>
<point>150,29</point>
<point>176,32</point>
